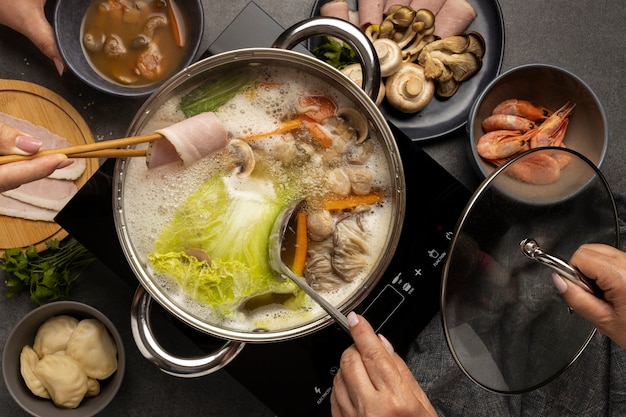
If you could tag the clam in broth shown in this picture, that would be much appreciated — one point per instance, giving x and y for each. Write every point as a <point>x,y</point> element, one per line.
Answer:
<point>345,241</point>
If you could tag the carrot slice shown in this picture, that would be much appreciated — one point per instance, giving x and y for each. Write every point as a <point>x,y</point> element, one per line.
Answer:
<point>318,133</point>
<point>302,244</point>
<point>318,108</point>
<point>178,39</point>
<point>284,127</point>
<point>352,201</point>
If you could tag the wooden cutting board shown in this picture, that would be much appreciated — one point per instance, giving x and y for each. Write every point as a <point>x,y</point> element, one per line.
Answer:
<point>42,107</point>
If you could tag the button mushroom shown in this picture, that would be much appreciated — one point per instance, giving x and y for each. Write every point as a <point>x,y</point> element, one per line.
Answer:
<point>389,56</point>
<point>408,89</point>
<point>355,73</point>
<point>240,156</point>
<point>357,122</point>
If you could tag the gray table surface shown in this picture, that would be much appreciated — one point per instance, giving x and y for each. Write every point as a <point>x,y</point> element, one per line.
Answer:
<point>581,36</point>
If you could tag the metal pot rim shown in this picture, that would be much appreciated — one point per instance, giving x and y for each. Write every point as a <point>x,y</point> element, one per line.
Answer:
<point>258,56</point>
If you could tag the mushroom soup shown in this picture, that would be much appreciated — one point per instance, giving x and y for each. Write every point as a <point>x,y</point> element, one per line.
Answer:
<point>203,230</point>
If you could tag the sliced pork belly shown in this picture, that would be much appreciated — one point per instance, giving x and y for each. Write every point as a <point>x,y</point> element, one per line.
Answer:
<point>453,18</point>
<point>432,5</point>
<point>370,12</point>
<point>15,208</point>
<point>390,3</point>
<point>46,193</point>
<point>188,141</point>
<point>336,8</point>
<point>49,141</point>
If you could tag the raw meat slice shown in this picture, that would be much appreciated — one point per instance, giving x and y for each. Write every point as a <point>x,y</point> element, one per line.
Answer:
<point>46,193</point>
<point>336,8</point>
<point>453,18</point>
<point>50,141</point>
<point>188,141</point>
<point>370,12</point>
<point>390,3</point>
<point>15,208</point>
<point>433,5</point>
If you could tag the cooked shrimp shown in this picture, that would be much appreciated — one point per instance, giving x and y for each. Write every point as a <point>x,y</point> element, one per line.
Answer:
<point>507,122</point>
<point>523,108</point>
<point>538,168</point>
<point>552,130</point>
<point>501,144</point>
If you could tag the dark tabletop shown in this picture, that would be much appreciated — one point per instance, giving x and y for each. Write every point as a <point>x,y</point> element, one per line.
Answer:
<point>583,37</point>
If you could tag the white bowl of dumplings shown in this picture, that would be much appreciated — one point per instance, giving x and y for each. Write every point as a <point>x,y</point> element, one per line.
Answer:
<point>63,359</point>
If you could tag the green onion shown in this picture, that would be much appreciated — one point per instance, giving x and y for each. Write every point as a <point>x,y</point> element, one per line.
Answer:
<point>213,93</point>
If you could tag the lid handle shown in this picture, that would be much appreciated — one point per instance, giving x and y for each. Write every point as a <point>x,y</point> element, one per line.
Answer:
<point>531,249</point>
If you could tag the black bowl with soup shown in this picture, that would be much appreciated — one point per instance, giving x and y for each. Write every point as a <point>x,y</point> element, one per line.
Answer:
<point>128,48</point>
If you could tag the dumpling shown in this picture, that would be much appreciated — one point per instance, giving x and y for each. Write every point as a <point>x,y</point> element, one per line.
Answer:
<point>93,387</point>
<point>93,348</point>
<point>28,362</point>
<point>53,335</point>
<point>63,378</point>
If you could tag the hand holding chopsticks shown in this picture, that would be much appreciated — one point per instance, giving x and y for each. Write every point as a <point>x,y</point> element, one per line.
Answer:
<point>104,149</point>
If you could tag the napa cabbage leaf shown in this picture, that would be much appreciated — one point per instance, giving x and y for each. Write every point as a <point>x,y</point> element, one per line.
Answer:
<point>231,220</point>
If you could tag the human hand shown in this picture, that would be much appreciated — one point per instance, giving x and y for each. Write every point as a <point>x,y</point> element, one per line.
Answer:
<point>607,266</point>
<point>374,381</point>
<point>28,18</point>
<point>14,174</point>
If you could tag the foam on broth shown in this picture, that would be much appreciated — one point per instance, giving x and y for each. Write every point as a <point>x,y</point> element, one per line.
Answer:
<point>151,197</point>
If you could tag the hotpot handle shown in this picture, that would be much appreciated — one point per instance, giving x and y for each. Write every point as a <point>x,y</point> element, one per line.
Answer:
<point>344,30</point>
<point>168,363</point>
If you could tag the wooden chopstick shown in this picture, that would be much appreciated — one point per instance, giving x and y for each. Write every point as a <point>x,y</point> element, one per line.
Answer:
<point>104,149</point>
<point>110,153</point>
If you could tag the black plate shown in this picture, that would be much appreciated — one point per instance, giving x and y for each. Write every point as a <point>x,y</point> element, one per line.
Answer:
<point>442,117</point>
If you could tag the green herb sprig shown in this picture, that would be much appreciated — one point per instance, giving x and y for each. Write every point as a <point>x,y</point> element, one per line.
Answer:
<point>48,275</point>
<point>334,53</point>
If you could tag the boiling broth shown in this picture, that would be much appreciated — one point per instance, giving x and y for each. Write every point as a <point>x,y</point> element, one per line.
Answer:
<point>134,43</point>
<point>153,196</point>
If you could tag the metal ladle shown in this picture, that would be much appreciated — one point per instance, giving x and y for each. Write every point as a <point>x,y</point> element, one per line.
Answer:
<point>531,249</point>
<point>279,266</point>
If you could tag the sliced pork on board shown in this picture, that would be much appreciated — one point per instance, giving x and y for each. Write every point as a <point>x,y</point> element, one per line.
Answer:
<point>15,208</point>
<point>42,199</point>
<point>48,193</point>
<point>50,141</point>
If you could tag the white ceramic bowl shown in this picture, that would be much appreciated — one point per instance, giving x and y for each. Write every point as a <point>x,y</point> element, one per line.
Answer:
<point>551,87</point>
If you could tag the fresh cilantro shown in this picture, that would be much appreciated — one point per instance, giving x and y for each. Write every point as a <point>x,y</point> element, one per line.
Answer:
<point>336,54</point>
<point>49,275</point>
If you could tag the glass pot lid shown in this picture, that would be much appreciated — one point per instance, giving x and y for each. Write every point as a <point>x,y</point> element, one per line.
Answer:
<point>506,325</point>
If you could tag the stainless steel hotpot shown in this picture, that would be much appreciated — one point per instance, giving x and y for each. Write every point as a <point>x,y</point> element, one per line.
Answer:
<point>234,340</point>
